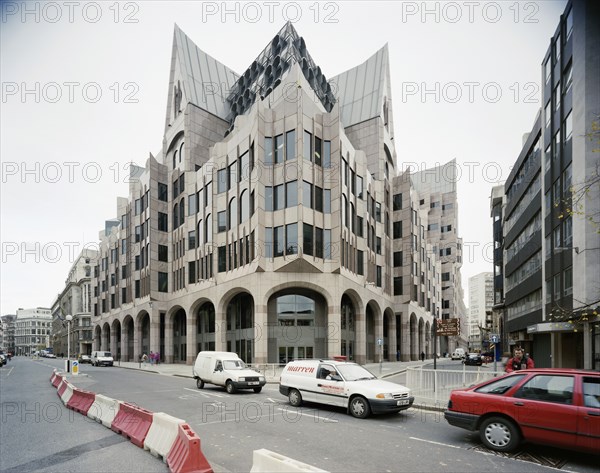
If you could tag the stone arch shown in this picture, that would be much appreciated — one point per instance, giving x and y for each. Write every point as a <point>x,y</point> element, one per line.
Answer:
<point>300,285</point>
<point>297,318</point>
<point>97,337</point>
<point>390,341</point>
<point>350,319</point>
<point>373,321</point>
<point>143,332</point>
<point>105,344</point>
<point>116,335</point>
<point>421,338</point>
<point>128,338</point>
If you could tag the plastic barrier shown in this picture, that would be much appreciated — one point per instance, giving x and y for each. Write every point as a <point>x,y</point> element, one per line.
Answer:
<point>81,401</point>
<point>62,385</point>
<point>162,434</point>
<point>186,455</point>
<point>53,376</point>
<point>57,380</point>
<point>67,392</point>
<point>132,422</point>
<point>264,460</point>
<point>104,410</point>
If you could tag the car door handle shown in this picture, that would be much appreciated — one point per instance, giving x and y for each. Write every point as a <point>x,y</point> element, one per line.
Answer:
<point>519,404</point>
<point>595,414</point>
<point>319,385</point>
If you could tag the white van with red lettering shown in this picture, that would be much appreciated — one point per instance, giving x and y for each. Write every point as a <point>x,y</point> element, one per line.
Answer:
<point>225,369</point>
<point>344,384</point>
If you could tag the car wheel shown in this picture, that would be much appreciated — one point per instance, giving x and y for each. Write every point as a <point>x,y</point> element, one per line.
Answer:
<point>230,387</point>
<point>500,434</point>
<point>199,384</point>
<point>359,407</point>
<point>295,397</point>
<point>257,390</point>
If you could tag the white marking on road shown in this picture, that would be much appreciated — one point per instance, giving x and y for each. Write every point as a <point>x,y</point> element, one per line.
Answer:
<point>435,443</point>
<point>205,393</point>
<point>10,371</point>
<point>325,419</point>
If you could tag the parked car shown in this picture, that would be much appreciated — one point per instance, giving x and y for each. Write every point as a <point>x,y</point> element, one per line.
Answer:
<point>85,359</point>
<point>556,407</point>
<point>102,358</point>
<point>50,355</point>
<point>226,369</point>
<point>458,354</point>
<point>2,359</point>
<point>473,359</point>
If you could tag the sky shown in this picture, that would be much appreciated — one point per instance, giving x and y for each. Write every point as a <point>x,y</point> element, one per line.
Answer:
<point>84,95</point>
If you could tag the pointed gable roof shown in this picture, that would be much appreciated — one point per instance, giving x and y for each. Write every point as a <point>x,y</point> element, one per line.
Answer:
<point>362,89</point>
<point>201,79</point>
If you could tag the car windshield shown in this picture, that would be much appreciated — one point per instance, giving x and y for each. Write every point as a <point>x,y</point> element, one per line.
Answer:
<point>355,372</point>
<point>106,354</point>
<point>234,365</point>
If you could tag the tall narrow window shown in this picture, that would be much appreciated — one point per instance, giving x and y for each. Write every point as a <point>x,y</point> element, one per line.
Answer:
<point>290,145</point>
<point>307,146</point>
<point>307,239</point>
<point>279,149</point>
<point>268,150</point>
<point>291,238</point>
<point>318,151</point>
<point>326,154</point>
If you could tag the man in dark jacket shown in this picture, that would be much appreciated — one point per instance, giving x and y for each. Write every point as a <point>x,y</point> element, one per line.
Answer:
<point>519,361</point>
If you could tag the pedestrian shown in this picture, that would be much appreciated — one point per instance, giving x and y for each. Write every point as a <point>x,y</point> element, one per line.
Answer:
<point>422,356</point>
<point>151,358</point>
<point>519,361</point>
<point>144,358</point>
<point>157,356</point>
<point>398,355</point>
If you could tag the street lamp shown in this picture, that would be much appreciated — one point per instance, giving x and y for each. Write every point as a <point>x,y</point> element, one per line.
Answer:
<point>68,318</point>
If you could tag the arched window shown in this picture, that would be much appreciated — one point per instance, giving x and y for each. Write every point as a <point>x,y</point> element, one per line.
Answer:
<point>174,159</point>
<point>208,230</point>
<point>181,211</point>
<point>232,215</point>
<point>175,216</point>
<point>200,233</point>
<point>181,152</point>
<point>244,206</point>
<point>344,211</point>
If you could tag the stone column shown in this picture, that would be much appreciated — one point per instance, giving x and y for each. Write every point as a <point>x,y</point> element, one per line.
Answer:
<point>405,346</point>
<point>155,331</point>
<point>137,341</point>
<point>360,347</point>
<point>168,355</point>
<point>191,337</point>
<point>220,330</point>
<point>334,331</point>
<point>392,343</point>
<point>113,343</point>
<point>261,334</point>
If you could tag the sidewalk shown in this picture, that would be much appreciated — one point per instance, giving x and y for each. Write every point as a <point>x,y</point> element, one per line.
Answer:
<point>272,373</point>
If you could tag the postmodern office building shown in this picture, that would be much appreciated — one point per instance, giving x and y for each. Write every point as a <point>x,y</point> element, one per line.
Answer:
<point>481,301</point>
<point>76,300</point>
<point>32,330</point>
<point>437,190</point>
<point>264,225</point>
<point>497,209</point>
<point>552,280</point>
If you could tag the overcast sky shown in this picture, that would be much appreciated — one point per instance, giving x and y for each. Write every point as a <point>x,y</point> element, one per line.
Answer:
<point>84,91</point>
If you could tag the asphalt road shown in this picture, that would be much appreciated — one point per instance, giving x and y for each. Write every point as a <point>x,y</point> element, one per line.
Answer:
<point>38,433</point>
<point>232,426</point>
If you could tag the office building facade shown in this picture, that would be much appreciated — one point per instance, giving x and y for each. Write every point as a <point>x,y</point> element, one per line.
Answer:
<point>264,224</point>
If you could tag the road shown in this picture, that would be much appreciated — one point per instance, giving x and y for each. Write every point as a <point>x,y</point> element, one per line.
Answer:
<point>232,426</point>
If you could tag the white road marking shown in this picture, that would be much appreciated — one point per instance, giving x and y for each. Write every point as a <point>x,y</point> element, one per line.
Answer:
<point>325,419</point>
<point>10,371</point>
<point>435,443</point>
<point>204,393</point>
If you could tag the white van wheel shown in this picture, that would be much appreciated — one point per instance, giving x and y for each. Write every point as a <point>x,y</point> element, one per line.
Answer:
<point>230,387</point>
<point>359,407</point>
<point>295,397</point>
<point>199,383</point>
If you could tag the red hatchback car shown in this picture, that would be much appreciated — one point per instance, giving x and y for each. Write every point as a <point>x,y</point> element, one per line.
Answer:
<point>558,407</point>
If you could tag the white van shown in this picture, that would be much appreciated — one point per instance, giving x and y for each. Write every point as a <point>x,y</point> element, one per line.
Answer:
<point>343,384</point>
<point>458,354</point>
<point>102,358</point>
<point>226,369</point>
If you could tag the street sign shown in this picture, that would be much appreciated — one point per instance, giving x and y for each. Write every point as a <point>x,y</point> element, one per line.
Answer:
<point>448,327</point>
<point>75,368</point>
<point>380,341</point>
<point>494,338</point>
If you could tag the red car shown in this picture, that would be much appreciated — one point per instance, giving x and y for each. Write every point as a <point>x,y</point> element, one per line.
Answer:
<point>558,407</point>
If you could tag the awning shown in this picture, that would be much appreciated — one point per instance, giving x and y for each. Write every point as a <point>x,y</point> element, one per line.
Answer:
<point>548,327</point>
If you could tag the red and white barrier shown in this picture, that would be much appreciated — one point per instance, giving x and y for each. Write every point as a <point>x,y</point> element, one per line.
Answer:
<point>186,455</point>
<point>104,410</point>
<point>67,392</point>
<point>53,376</point>
<point>81,401</point>
<point>162,434</point>
<point>132,422</point>
<point>57,380</point>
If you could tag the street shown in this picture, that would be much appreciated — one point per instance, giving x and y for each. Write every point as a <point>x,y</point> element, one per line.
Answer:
<point>232,426</point>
